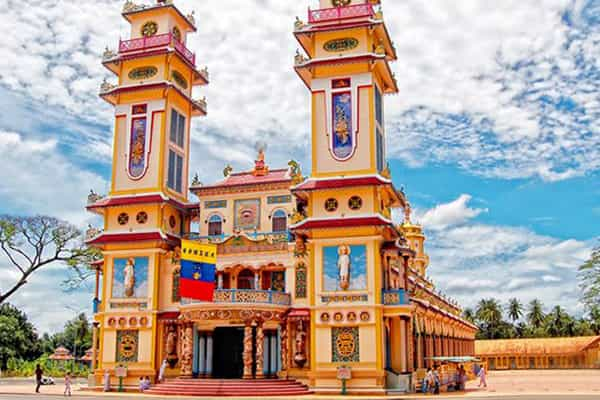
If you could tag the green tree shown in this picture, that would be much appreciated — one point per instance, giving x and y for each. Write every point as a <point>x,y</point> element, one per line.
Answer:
<point>18,338</point>
<point>535,314</point>
<point>77,335</point>
<point>515,309</point>
<point>32,243</point>
<point>556,322</point>
<point>469,315</point>
<point>589,276</point>
<point>489,316</point>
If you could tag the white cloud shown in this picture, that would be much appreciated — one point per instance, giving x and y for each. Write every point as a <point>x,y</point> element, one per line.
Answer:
<point>36,179</point>
<point>473,261</point>
<point>450,214</point>
<point>482,87</point>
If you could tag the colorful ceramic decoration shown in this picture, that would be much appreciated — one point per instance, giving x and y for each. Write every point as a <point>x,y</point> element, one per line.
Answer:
<point>339,45</point>
<point>345,344</point>
<point>127,346</point>
<point>247,214</point>
<point>342,137</point>
<point>301,281</point>
<point>137,148</point>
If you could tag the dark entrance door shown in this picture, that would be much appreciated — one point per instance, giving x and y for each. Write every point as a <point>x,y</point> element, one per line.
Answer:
<point>228,353</point>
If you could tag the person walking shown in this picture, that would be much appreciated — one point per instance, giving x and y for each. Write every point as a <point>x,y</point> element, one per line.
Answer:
<point>106,380</point>
<point>39,373</point>
<point>67,384</point>
<point>436,380</point>
<point>427,381</point>
<point>161,372</point>
<point>482,376</point>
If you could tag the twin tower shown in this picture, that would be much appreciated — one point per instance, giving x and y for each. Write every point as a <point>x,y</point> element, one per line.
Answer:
<point>314,279</point>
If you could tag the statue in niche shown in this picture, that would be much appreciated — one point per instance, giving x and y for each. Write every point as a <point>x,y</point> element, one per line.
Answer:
<point>344,266</point>
<point>171,346</point>
<point>341,126</point>
<point>300,339</point>
<point>129,278</point>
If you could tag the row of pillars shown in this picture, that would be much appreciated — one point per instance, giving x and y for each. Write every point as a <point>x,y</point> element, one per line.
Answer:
<point>441,346</point>
<point>205,354</point>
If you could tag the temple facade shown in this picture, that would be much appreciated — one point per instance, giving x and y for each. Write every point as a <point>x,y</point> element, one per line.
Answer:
<point>315,282</point>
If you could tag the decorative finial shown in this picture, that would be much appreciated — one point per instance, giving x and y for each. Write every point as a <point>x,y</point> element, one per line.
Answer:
<point>260,167</point>
<point>407,212</point>
<point>227,171</point>
<point>196,180</point>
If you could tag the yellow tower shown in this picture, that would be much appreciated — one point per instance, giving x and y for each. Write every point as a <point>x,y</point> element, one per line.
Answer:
<point>147,209</point>
<point>415,239</point>
<point>360,314</point>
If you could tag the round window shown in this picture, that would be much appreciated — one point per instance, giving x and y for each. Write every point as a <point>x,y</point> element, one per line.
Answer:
<point>331,205</point>
<point>149,29</point>
<point>355,203</point>
<point>123,218</point>
<point>142,217</point>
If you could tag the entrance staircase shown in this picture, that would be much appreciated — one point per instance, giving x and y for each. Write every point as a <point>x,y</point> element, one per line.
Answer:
<point>229,387</point>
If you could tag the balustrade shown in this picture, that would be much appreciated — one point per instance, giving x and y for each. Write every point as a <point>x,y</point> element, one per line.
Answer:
<point>395,297</point>
<point>247,296</point>
<point>339,13</point>
<point>154,42</point>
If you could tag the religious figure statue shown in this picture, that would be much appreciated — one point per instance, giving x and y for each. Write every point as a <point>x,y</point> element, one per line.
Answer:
<point>171,346</point>
<point>300,249</point>
<point>227,171</point>
<point>284,346</point>
<point>344,266</point>
<point>394,273</point>
<point>196,180</point>
<point>129,278</point>
<point>187,351</point>
<point>137,148</point>
<point>248,352</point>
<point>220,281</point>
<point>300,339</point>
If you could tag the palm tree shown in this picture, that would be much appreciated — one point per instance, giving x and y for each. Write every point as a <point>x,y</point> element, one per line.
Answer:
<point>556,322</point>
<point>489,313</point>
<point>535,315</point>
<point>515,309</point>
<point>469,315</point>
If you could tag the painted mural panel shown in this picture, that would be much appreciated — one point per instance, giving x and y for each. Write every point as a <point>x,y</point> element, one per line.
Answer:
<point>345,267</point>
<point>137,148</point>
<point>247,214</point>
<point>130,278</point>
<point>342,138</point>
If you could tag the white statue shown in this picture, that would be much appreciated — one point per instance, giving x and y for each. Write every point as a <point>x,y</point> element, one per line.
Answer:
<point>344,266</point>
<point>129,278</point>
<point>256,281</point>
<point>220,281</point>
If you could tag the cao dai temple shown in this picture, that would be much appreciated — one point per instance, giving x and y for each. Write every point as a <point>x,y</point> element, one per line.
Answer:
<point>312,273</point>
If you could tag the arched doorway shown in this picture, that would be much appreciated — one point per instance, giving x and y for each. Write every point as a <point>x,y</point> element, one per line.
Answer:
<point>245,279</point>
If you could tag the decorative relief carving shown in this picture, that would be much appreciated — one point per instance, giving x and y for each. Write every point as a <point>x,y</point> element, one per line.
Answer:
<point>301,276</point>
<point>345,344</point>
<point>127,345</point>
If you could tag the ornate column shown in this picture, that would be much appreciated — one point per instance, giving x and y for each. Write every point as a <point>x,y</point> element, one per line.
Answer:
<point>260,352</point>
<point>420,350</point>
<point>209,353</point>
<point>187,350</point>
<point>248,351</point>
<point>94,346</point>
<point>284,345</point>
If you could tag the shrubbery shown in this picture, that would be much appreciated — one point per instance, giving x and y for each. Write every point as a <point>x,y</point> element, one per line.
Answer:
<point>54,369</point>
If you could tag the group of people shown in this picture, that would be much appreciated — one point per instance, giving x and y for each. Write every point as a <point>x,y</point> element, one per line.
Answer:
<point>39,376</point>
<point>432,380</point>
<point>144,383</point>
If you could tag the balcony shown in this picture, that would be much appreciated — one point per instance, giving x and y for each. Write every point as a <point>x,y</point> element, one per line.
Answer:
<point>340,13</point>
<point>246,296</point>
<point>156,42</point>
<point>395,297</point>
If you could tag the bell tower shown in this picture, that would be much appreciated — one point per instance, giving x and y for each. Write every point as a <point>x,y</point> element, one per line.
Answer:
<point>146,211</point>
<point>356,269</point>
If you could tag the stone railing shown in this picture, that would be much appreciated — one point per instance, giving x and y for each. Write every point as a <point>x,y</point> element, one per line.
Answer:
<point>395,297</point>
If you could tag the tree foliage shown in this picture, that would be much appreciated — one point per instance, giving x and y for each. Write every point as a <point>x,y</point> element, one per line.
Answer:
<point>589,276</point>
<point>494,324</point>
<point>31,243</point>
<point>18,338</point>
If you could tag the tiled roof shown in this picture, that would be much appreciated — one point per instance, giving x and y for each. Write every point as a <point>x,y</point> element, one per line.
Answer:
<point>248,178</point>
<point>541,346</point>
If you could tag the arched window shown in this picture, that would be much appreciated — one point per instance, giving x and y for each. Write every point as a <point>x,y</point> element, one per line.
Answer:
<point>215,225</point>
<point>246,279</point>
<point>279,221</point>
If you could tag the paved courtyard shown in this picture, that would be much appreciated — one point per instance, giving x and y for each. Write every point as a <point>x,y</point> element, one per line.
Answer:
<point>511,385</point>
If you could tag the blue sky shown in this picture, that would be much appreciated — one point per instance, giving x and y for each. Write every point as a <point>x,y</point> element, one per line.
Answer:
<point>495,133</point>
